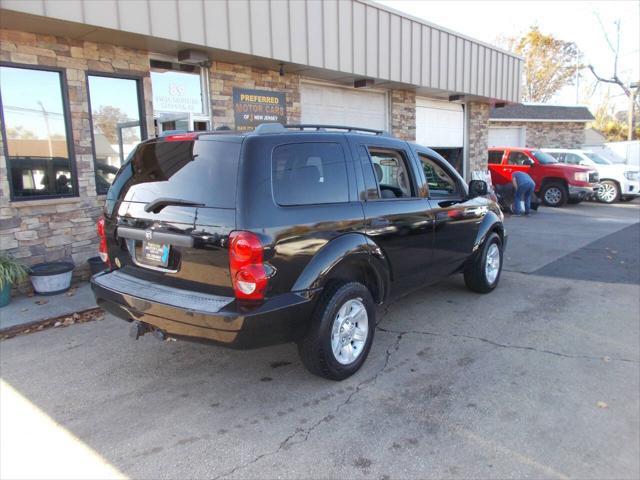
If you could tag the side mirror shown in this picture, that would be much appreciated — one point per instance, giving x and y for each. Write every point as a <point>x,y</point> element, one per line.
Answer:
<point>528,162</point>
<point>478,188</point>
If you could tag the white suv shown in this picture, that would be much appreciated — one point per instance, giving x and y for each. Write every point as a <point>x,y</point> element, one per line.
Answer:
<point>617,181</point>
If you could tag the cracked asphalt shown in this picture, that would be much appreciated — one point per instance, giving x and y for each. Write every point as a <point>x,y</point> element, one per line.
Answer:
<point>457,385</point>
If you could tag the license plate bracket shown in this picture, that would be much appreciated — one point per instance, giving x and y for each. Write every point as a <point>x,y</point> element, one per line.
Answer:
<point>156,253</point>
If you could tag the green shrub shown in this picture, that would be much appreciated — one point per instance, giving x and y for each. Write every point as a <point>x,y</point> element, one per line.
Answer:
<point>11,271</point>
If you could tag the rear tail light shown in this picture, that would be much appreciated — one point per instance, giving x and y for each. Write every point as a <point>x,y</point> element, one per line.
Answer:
<point>181,137</point>
<point>102,249</point>
<point>248,274</point>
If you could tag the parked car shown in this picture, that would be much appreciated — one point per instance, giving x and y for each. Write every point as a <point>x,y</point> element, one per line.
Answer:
<point>556,183</point>
<point>283,234</point>
<point>617,181</point>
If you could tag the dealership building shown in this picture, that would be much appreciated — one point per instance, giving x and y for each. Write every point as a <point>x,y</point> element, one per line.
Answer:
<point>83,81</point>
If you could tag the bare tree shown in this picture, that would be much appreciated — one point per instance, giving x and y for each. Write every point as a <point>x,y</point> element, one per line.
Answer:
<point>631,91</point>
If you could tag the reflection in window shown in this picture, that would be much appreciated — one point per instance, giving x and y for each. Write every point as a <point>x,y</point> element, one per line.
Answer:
<point>35,126</point>
<point>115,117</point>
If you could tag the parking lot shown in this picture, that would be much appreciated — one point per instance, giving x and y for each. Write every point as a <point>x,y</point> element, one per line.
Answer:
<point>537,379</point>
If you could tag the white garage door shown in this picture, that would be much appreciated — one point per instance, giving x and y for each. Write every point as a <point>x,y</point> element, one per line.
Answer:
<point>439,124</point>
<point>343,106</point>
<point>506,137</point>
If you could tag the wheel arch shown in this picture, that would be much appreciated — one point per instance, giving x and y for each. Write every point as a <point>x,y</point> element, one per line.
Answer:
<point>349,257</point>
<point>491,223</point>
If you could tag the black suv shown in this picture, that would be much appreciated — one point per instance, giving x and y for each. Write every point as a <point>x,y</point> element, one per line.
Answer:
<point>287,234</point>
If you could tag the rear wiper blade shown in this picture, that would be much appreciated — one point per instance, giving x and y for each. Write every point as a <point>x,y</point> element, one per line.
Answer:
<point>159,203</point>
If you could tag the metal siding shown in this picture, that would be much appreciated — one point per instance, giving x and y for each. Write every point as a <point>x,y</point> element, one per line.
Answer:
<point>314,33</point>
<point>406,50</point>
<point>372,43</point>
<point>459,72</point>
<point>345,39</point>
<point>239,31</point>
<point>443,63</point>
<point>215,21</point>
<point>467,67</point>
<point>435,58</point>
<point>190,18</point>
<point>164,19</point>
<point>260,29</point>
<point>349,36</point>
<point>425,56</point>
<point>359,47</point>
<point>416,53</point>
<point>134,16</point>
<point>394,47</point>
<point>298,27</point>
<point>103,13</point>
<point>331,46</point>
<point>451,63</point>
<point>67,9</point>
<point>35,7</point>
<point>383,45</point>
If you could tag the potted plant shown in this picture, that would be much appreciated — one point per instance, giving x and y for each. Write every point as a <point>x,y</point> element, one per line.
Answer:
<point>11,271</point>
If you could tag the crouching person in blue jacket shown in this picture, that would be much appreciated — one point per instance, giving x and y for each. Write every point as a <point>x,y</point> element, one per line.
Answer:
<point>524,186</point>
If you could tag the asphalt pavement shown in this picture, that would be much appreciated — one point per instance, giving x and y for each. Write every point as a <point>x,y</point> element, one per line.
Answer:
<point>539,379</point>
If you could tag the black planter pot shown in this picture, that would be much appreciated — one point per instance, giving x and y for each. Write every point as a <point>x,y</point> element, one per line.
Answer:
<point>96,265</point>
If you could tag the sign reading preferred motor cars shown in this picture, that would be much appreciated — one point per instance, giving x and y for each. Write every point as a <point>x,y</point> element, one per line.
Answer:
<point>253,107</point>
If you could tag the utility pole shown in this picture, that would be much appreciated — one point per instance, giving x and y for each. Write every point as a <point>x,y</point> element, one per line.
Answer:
<point>46,124</point>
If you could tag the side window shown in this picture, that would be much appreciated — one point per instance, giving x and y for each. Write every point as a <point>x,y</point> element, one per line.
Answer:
<point>392,173</point>
<point>495,157</point>
<point>440,182</point>
<point>572,158</point>
<point>370,181</point>
<point>309,173</point>
<point>517,158</point>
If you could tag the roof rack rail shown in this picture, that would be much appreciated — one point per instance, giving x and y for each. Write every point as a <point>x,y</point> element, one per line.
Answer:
<point>265,128</point>
<point>324,128</point>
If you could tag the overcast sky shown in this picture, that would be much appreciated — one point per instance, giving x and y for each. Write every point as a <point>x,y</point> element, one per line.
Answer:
<point>575,21</point>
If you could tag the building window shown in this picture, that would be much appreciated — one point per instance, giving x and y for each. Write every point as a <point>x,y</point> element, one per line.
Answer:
<point>179,97</point>
<point>116,113</point>
<point>37,143</point>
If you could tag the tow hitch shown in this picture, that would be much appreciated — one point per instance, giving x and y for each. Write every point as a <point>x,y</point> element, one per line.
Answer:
<point>138,329</point>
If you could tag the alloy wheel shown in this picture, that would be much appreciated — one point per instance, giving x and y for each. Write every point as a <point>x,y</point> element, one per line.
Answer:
<point>553,195</point>
<point>349,331</point>
<point>492,263</point>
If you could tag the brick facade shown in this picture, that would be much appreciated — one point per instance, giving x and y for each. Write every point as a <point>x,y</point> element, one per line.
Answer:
<point>48,230</point>
<point>223,77</point>
<point>550,134</point>
<point>403,114</point>
<point>478,135</point>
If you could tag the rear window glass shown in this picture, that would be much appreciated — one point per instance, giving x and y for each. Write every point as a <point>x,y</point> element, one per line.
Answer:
<point>200,172</point>
<point>495,157</point>
<point>309,173</point>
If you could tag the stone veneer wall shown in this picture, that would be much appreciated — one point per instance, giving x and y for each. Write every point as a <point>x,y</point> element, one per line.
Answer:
<point>47,230</point>
<point>550,134</point>
<point>224,76</point>
<point>403,114</point>
<point>478,136</point>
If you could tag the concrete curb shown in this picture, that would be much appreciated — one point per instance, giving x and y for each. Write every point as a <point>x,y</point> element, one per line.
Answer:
<point>81,316</point>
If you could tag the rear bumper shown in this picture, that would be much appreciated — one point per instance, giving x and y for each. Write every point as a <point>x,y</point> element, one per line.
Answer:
<point>630,188</point>
<point>280,319</point>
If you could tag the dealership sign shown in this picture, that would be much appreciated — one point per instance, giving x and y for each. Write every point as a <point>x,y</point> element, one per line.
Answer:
<point>253,107</point>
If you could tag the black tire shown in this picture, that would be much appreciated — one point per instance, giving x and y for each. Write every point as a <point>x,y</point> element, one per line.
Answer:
<point>315,348</point>
<point>475,273</point>
<point>609,192</point>
<point>552,191</point>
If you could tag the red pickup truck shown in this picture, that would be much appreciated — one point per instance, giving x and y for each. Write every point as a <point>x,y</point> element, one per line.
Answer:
<point>556,183</point>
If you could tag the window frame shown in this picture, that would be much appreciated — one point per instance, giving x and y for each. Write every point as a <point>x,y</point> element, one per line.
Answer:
<point>345,155</point>
<point>66,110</point>
<point>405,154</point>
<point>141,112</point>
<point>512,152</point>
<point>460,187</point>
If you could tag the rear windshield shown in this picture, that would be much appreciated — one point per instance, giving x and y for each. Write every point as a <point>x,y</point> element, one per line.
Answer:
<point>200,172</point>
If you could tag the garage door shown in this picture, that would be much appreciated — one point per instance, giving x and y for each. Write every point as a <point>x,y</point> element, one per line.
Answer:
<point>326,105</point>
<point>506,137</point>
<point>439,124</point>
